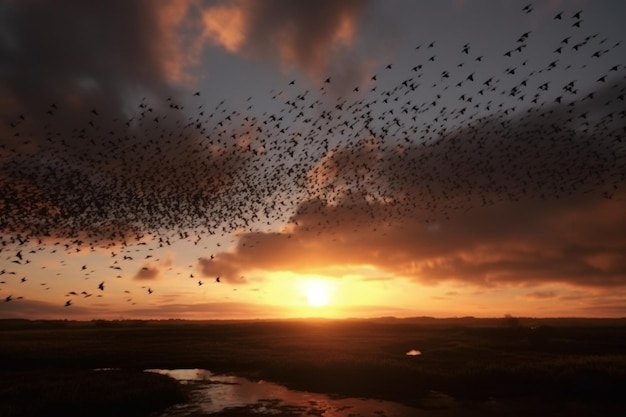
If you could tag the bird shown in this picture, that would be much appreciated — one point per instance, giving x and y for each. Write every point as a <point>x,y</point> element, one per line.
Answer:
<point>196,173</point>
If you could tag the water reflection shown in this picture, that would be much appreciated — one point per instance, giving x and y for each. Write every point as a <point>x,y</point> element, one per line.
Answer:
<point>213,393</point>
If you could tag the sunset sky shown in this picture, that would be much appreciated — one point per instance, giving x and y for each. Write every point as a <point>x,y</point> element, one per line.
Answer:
<point>322,158</point>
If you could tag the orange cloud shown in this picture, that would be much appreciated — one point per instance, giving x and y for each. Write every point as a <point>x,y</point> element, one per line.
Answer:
<point>152,270</point>
<point>175,58</point>
<point>541,294</point>
<point>509,243</point>
<point>303,35</point>
<point>31,309</point>
<point>225,25</point>
<point>457,210</point>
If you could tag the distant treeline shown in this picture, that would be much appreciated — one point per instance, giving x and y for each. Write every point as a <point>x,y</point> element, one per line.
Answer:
<point>18,324</point>
<point>468,321</point>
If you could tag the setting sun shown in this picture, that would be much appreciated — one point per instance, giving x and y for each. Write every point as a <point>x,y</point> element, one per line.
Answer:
<point>317,292</point>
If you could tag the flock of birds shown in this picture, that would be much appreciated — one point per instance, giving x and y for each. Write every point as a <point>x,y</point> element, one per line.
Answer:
<point>405,142</point>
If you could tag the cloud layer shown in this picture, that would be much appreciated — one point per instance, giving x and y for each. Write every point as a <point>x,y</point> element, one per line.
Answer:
<point>576,241</point>
<point>310,37</point>
<point>447,163</point>
<point>498,202</point>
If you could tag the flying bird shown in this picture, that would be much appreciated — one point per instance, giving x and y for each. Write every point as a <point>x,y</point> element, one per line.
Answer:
<point>199,173</point>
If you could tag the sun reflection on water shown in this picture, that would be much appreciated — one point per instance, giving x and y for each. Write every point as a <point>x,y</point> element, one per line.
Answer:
<point>212,393</point>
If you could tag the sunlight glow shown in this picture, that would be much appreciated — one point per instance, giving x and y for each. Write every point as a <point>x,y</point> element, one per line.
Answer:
<point>317,292</point>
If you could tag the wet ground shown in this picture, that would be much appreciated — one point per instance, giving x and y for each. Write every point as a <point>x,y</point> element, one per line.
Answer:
<point>220,395</point>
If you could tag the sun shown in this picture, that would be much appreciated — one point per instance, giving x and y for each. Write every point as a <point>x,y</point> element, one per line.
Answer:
<point>317,292</point>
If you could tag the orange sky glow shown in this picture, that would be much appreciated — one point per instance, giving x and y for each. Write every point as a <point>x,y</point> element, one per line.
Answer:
<point>239,159</point>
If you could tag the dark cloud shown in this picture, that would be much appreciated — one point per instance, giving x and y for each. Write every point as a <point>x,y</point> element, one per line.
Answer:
<point>506,200</point>
<point>552,152</point>
<point>60,61</point>
<point>95,143</point>
<point>73,53</point>
<point>504,184</point>
<point>86,157</point>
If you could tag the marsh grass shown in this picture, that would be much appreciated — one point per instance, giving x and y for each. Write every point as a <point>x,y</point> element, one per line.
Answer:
<point>75,392</point>
<point>547,363</point>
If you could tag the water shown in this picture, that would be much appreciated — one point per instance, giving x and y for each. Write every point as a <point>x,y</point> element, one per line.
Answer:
<point>212,393</point>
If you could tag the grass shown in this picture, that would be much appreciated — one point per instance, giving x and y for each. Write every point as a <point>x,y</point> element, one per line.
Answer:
<point>547,363</point>
<point>74,392</point>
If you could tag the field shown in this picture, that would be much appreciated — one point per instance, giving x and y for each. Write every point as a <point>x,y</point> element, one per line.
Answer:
<point>504,366</point>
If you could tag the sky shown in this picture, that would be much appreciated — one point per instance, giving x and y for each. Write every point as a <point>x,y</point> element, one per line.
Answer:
<point>243,159</point>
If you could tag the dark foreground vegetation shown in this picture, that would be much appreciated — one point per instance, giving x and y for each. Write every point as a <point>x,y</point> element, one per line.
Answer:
<point>505,366</point>
<point>78,392</point>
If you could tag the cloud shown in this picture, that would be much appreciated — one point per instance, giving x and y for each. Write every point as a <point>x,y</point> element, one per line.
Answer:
<point>94,146</point>
<point>528,243</point>
<point>85,157</point>
<point>208,311</point>
<point>179,49</point>
<point>152,270</point>
<point>541,294</point>
<point>30,309</point>
<point>148,273</point>
<point>227,272</point>
<point>311,37</point>
<point>33,309</point>
<point>536,200</point>
<point>225,24</point>
<point>101,52</point>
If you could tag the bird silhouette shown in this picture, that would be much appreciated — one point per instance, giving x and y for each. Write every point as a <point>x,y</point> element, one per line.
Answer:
<point>460,128</point>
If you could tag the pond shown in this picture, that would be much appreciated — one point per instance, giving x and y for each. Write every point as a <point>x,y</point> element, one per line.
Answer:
<point>212,394</point>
